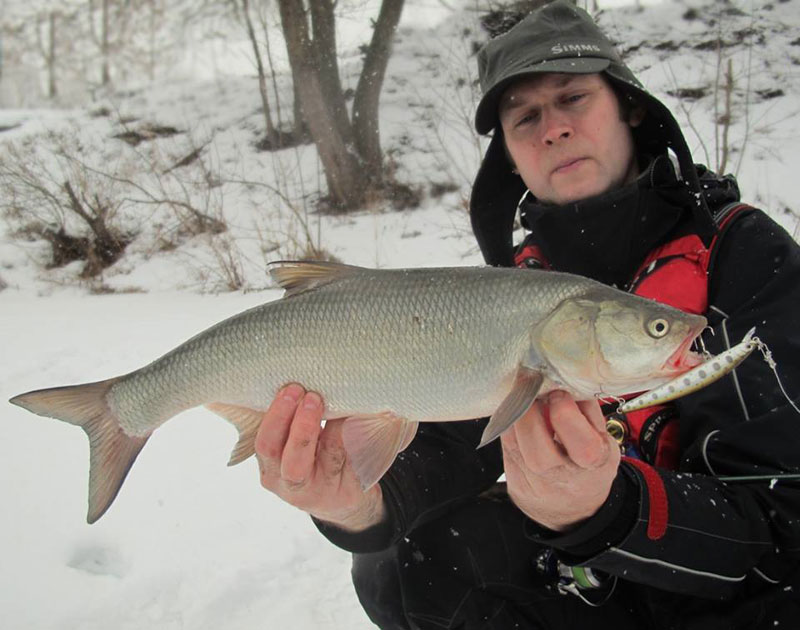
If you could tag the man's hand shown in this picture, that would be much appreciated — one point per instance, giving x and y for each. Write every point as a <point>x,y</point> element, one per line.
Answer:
<point>559,461</point>
<point>307,466</point>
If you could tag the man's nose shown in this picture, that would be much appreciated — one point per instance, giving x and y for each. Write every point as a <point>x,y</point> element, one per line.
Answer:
<point>555,128</point>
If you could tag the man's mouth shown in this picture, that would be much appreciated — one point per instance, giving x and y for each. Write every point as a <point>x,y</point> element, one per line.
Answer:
<point>568,165</point>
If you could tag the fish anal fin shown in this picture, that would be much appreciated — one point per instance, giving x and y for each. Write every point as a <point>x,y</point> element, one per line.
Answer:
<point>298,276</point>
<point>111,450</point>
<point>373,441</point>
<point>526,387</point>
<point>247,421</point>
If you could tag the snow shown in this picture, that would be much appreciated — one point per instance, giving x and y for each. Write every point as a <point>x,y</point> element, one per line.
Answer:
<point>190,543</point>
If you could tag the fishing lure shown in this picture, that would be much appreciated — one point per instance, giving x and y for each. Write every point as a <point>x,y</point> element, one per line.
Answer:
<point>711,370</point>
<point>698,377</point>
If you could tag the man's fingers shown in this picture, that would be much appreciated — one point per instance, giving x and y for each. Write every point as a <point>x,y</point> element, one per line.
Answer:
<point>539,450</point>
<point>584,443</point>
<point>300,451</point>
<point>592,411</point>
<point>274,429</point>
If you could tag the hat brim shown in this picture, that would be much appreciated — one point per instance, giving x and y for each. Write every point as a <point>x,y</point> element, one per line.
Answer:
<point>486,113</point>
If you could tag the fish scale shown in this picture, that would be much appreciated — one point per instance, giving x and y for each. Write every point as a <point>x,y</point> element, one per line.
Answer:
<point>387,349</point>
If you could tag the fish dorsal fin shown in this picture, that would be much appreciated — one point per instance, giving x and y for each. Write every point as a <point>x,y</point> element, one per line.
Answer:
<point>295,276</point>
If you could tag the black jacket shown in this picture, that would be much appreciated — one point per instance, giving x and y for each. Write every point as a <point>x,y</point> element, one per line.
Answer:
<point>734,542</point>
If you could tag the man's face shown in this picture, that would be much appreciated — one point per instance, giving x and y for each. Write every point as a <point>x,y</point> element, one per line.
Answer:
<point>566,137</point>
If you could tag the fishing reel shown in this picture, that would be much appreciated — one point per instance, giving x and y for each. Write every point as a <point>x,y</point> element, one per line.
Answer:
<point>592,586</point>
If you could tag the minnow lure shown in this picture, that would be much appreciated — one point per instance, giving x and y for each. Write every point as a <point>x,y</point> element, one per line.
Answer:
<point>698,377</point>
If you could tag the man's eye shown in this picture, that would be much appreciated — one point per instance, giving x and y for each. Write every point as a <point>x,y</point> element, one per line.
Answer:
<point>526,119</point>
<point>574,98</point>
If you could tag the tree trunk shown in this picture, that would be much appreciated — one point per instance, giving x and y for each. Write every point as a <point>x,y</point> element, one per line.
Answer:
<point>272,134</point>
<point>105,78</point>
<point>272,74</point>
<point>300,126</point>
<point>343,172</point>
<point>367,98</point>
<point>323,29</point>
<point>46,42</point>
<point>151,41</point>
<point>51,57</point>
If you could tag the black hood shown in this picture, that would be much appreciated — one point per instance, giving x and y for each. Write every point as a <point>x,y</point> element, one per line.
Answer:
<point>496,190</point>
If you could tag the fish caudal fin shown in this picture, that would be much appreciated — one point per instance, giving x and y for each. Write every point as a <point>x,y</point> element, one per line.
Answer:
<point>519,400</point>
<point>247,421</point>
<point>111,450</point>
<point>373,442</point>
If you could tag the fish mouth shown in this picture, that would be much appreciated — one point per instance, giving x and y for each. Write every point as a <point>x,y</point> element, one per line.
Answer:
<point>684,358</point>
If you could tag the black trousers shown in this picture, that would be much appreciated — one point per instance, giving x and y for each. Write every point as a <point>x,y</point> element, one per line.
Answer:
<point>474,569</point>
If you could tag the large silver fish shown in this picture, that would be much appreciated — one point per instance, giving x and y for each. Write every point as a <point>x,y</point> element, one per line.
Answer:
<point>386,349</point>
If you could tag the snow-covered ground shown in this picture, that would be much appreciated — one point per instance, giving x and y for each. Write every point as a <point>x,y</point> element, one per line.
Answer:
<point>190,543</point>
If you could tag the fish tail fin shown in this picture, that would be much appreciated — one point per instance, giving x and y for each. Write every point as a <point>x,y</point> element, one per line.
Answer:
<point>111,450</point>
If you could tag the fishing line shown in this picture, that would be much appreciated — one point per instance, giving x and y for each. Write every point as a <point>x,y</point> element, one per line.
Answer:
<point>735,376</point>
<point>776,478</point>
<point>766,353</point>
<point>770,361</point>
<point>735,354</point>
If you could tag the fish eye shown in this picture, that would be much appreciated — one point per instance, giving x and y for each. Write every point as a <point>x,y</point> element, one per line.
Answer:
<point>658,327</point>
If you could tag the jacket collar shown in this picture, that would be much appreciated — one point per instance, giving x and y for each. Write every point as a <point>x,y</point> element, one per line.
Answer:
<point>608,236</point>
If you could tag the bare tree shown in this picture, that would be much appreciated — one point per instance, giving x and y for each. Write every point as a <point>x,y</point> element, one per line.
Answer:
<point>2,56</point>
<point>101,37</point>
<point>367,97</point>
<point>272,132</point>
<point>46,38</point>
<point>109,26</point>
<point>349,149</point>
<point>300,131</point>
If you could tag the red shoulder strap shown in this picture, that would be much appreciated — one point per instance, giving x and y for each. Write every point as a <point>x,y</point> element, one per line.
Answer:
<point>676,273</point>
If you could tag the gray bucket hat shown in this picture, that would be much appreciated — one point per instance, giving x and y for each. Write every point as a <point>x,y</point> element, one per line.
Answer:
<point>558,37</point>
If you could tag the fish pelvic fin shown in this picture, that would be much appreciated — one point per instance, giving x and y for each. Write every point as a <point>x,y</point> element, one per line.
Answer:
<point>111,450</point>
<point>372,442</point>
<point>519,400</point>
<point>247,421</point>
<point>296,276</point>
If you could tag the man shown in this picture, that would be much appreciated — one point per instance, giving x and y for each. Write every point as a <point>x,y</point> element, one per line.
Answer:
<point>652,537</point>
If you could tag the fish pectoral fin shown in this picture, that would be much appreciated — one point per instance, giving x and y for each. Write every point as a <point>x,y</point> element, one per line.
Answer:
<point>111,450</point>
<point>298,277</point>
<point>372,443</point>
<point>247,421</point>
<point>519,400</point>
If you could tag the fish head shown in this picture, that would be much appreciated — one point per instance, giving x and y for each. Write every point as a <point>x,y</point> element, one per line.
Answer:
<point>610,343</point>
